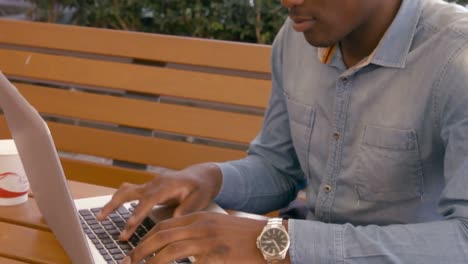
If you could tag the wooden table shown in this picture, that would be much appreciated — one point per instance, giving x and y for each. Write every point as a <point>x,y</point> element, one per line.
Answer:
<point>25,238</point>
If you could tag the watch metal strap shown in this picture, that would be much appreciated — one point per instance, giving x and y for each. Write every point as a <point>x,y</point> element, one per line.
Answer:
<point>275,221</point>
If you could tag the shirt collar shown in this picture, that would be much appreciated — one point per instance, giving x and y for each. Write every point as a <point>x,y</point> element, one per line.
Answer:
<point>395,44</point>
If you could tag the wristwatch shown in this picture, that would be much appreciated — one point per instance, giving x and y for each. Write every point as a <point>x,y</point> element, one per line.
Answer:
<point>274,241</point>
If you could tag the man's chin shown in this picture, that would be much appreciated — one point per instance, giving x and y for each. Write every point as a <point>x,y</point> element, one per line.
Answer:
<point>317,41</point>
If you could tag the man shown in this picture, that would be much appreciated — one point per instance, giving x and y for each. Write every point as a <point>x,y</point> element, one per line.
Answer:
<point>369,113</point>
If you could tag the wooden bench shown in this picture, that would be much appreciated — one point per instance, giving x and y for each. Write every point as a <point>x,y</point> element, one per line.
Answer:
<point>122,105</point>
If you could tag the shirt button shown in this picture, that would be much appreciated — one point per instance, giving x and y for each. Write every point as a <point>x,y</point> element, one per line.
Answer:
<point>336,135</point>
<point>344,80</point>
<point>327,188</point>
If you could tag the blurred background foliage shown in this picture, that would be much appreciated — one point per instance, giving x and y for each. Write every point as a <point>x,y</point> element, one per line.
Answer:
<point>238,20</point>
<point>254,21</point>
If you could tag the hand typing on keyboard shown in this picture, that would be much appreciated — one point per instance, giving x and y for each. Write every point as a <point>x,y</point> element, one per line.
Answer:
<point>208,237</point>
<point>190,190</point>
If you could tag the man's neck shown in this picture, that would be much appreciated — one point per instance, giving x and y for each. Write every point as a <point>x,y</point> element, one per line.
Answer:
<point>365,39</point>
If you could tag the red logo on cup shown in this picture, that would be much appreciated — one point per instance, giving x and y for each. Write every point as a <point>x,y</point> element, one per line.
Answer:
<point>13,185</point>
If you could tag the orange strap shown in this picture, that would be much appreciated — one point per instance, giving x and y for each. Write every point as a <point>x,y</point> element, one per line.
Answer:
<point>328,54</point>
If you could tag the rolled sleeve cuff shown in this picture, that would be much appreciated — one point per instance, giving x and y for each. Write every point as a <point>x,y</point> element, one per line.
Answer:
<point>315,242</point>
<point>233,187</point>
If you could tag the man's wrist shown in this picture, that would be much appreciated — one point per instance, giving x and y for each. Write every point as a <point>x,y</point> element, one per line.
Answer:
<point>212,172</point>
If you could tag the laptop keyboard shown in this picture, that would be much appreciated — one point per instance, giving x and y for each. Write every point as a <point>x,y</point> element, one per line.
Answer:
<point>105,235</point>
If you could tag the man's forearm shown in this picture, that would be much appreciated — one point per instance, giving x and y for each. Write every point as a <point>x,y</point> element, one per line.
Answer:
<point>240,189</point>
<point>429,243</point>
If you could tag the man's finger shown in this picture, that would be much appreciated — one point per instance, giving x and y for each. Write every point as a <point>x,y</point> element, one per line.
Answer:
<point>159,196</point>
<point>161,240</point>
<point>127,192</point>
<point>172,223</point>
<point>169,224</point>
<point>139,214</point>
<point>179,250</point>
<point>192,203</point>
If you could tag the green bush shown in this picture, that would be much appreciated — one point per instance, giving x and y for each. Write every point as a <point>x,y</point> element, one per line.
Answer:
<point>237,20</point>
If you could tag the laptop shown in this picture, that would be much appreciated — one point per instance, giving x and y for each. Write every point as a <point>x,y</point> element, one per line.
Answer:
<point>73,222</point>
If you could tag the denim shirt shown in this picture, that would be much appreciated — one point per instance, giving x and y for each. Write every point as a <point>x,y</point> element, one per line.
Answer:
<point>381,148</point>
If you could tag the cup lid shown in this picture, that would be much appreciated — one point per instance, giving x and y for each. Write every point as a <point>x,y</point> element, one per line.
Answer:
<point>8,147</point>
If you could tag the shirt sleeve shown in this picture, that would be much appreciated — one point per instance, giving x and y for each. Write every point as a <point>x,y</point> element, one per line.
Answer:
<point>270,176</point>
<point>444,241</point>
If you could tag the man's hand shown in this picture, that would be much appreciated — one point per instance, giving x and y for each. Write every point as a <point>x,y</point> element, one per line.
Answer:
<point>209,237</point>
<point>191,189</point>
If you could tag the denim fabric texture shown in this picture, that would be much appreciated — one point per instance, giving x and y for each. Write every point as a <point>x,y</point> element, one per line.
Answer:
<point>380,148</point>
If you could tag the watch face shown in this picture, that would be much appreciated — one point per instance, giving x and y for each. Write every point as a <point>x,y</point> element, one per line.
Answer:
<point>274,241</point>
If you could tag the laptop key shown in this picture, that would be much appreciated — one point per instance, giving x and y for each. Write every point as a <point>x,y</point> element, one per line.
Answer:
<point>89,217</point>
<point>113,232</point>
<point>96,210</point>
<point>118,256</point>
<point>118,219</point>
<point>114,215</point>
<point>120,226</point>
<point>114,251</point>
<point>92,222</point>
<point>141,232</point>
<point>124,245</point>
<point>126,216</point>
<point>109,227</point>
<point>122,210</point>
<point>104,237</point>
<point>95,226</point>
<point>110,245</point>
<point>107,240</point>
<point>99,231</point>
<point>84,212</point>
<point>148,223</point>
<point>134,240</point>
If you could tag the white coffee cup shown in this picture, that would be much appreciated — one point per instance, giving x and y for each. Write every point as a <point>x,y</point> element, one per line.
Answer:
<point>14,185</point>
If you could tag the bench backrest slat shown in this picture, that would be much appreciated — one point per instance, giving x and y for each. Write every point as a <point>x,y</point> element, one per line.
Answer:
<point>155,47</point>
<point>91,172</point>
<point>134,148</point>
<point>136,78</point>
<point>123,104</point>
<point>112,110</point>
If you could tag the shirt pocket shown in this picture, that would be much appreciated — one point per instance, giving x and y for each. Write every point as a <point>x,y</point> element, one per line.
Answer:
<point>389,166</point>
<point>301,122</point>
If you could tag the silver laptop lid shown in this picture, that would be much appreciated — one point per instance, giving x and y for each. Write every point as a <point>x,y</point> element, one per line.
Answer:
<point>43,168</point>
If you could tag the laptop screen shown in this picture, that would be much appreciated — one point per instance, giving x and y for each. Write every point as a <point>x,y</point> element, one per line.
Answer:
<point>44,171</point>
